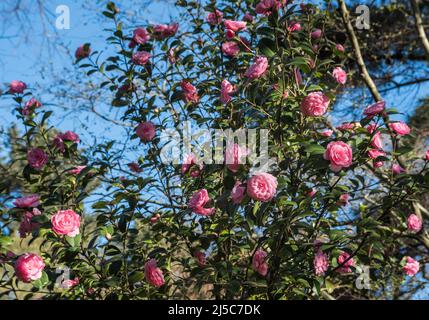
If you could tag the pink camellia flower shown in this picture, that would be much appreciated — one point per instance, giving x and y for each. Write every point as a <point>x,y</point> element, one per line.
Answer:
<point>235,155</point>
<point>229,34</point>
<point>258,68</point>
<point>339,154</point>
<point>376,140</point>
<point>374,154</point>
<point>134,167</point>
<point>238,192</point>
<point>190,164</point>
<point>140,36</point>
<point>190,93</point>
<point>266,7</point>
<point>198,202</point>
<point>69,136</point>
<point>29,267</point>
<point>69,283</point>
<point>17,86</point>
<point>226,89</point>
<point>427,156</point>
<point>327,133</point>
<point>346,266</point>
<point>375,109</point>
<point>66,222</point>
<point>27,226</point>
<point>66,136</point>
<point>37,158</point>
<point>397,169</point>
<point>339,75</point>
<point>320,263</point>
<point>162,31</point>
<point>316,34</point>
<point>82,52</point>
<point>400,128</point>
<point>294,26</point>
<point>153,274</point>
<point>30,106</point>
<point>259,262</point>
<point>214,18</point>
<point>411,267</point>
<point>230,48</point>
<point>146,131</point>
<point>414,223</point>
<point>141,57</point>
<point>77,170</point>
<point>262,186</point>
<point>29,201</point>
<point>339,47</point>
<point>315,104</point>
<point>201,258</point>
<point>235,25</point>
<point>344,199</point>
<point>248,17</point>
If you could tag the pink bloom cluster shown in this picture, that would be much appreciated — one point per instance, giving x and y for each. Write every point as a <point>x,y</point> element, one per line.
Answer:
<point>29,201</point>
<point>400,128</point>
<point>153,274</point>
<point>162,31</point>
<point>262,186</point>
<point>37,158</point>
<point>140,36</point>
<point>226,89</point>
<point>266,7</point>
<point>347,264</point>
<point>238,192</point>
<point>411,267</point>
<point>214,18</point>
<point>141,57</point>
<point>66,222</point>
<point>339,75</point>
<point>30,106</point>
<point>70,283</point>
<point>259,262</point>
<point>17,86</point>
<point>258,68</point>
<point>198,202</point>
<point>414,223</point>
<point>320,263</point>
<point>146,131</point>
<point>375,109</point>
<point>230,48</point>
<point>339,154</point>
<point>60,138</point>
<point>315,104</point>
<point>29,267</point>
<point>190,94</point>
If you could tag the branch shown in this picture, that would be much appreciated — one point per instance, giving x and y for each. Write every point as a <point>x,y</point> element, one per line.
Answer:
<point>358,54</point>
<point>419,25</point>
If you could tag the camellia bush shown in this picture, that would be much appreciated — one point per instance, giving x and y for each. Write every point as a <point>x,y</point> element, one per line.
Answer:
<point>334,213</point>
